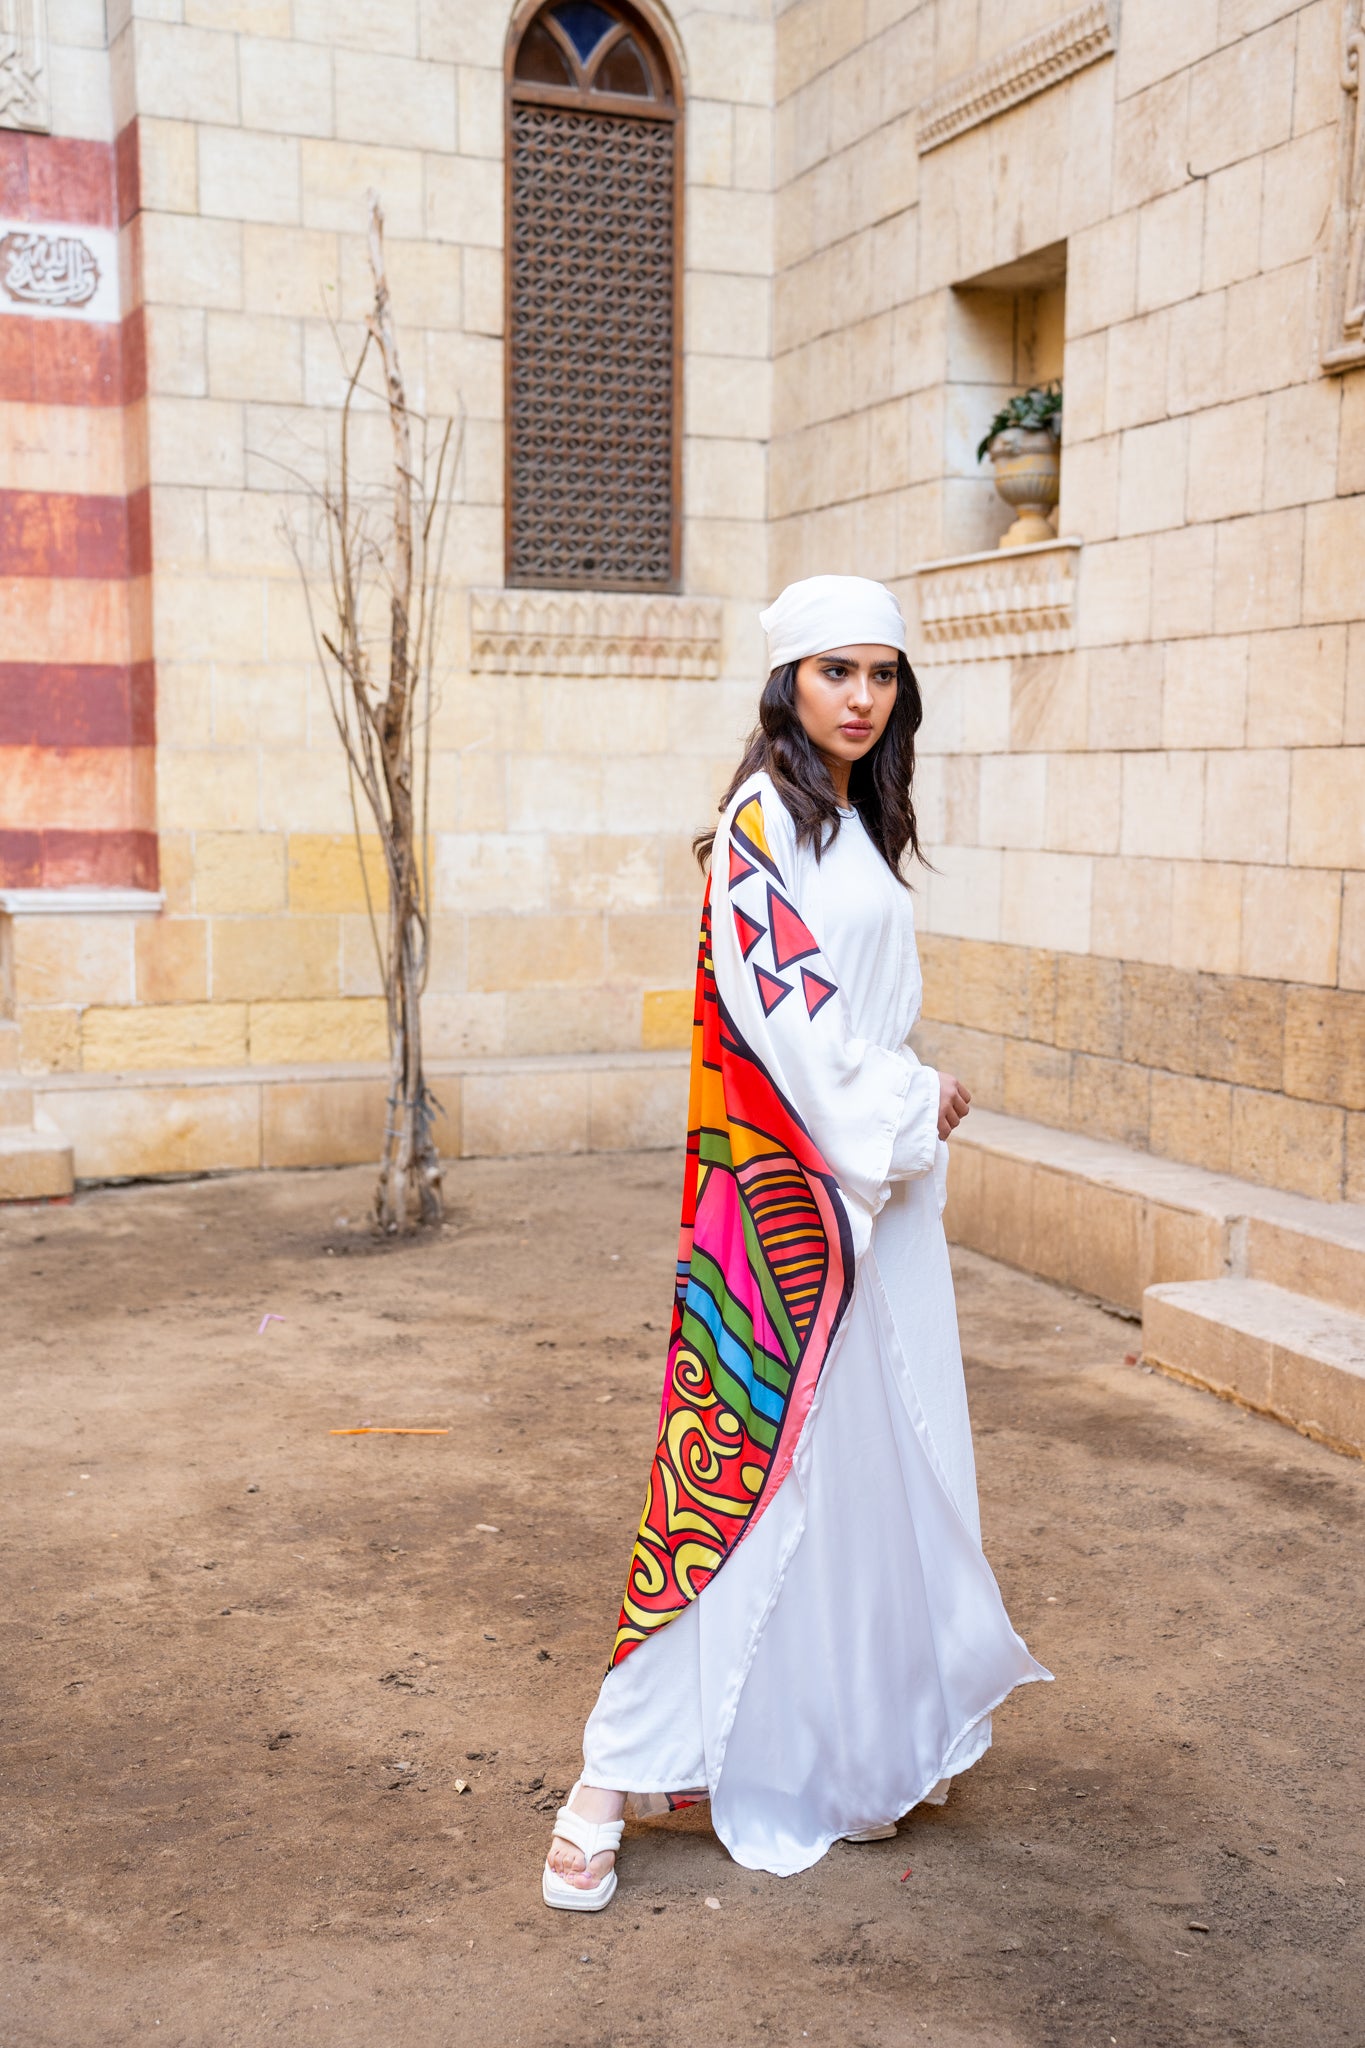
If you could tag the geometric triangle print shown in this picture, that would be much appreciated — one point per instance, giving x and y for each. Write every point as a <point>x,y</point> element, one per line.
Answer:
<point>791,940</point>
<point>746,930</point>
<point>816,990</point>
<point>739,867</point>
<point>771,991</point>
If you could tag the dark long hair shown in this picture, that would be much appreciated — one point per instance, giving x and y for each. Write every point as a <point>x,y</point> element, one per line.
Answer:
<point>878,788</point>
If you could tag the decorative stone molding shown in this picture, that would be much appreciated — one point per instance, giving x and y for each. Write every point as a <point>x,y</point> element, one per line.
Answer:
<point>1344,342</point>
<point>1026,68</point>
<point>80,902</point>
<point>1015,601</point>
<point>579,633</point>
<point>24,98</point>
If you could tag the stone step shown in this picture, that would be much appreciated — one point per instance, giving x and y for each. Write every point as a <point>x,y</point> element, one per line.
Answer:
<point>1112,1222</point>
<point>35,1165</point>
<point>1287,1355</point>
<point>16,1102</point>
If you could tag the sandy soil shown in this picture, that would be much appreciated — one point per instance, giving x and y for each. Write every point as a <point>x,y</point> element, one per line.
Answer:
<point>247,1664</point>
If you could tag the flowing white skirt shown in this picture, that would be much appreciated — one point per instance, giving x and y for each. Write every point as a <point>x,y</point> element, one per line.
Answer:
<point>850,1651</point>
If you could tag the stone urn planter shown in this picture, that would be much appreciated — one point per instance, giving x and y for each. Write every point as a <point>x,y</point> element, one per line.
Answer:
<point>1027,462</point>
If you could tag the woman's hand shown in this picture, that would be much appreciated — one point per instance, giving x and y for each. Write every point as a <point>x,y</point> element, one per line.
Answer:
<point>953,1103</point>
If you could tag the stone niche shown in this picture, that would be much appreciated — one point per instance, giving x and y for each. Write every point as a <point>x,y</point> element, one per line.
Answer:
<point>1005,332</point>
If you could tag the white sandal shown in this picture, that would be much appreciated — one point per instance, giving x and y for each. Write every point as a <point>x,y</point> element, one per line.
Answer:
<point>936,1796</point>
<point>593,1838</point>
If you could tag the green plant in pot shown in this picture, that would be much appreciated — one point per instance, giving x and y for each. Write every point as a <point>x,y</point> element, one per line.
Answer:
<point>1024,444</point>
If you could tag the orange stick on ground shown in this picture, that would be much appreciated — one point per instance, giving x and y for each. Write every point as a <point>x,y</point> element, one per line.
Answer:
<point>379,1430</point>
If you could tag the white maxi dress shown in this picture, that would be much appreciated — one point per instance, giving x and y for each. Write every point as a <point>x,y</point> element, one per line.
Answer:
<point>849,1652</point>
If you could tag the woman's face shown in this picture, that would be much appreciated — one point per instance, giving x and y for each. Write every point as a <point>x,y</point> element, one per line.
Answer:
<point>844,699</point>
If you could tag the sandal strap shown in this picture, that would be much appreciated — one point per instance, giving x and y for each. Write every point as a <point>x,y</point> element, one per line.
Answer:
<point>592,1837</point>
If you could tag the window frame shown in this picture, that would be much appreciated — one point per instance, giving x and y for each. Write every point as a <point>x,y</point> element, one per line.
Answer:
<point>669,109</point>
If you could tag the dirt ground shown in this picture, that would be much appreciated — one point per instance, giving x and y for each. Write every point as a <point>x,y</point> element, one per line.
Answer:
<point>285,1713</point>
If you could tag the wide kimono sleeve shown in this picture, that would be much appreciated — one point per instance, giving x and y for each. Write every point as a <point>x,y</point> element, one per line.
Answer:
<point>873,1113</point>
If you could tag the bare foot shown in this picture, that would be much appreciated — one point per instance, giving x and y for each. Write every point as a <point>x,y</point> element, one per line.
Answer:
<point>565,1859</point>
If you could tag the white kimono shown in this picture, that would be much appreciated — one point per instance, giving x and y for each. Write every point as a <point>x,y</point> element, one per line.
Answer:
<point>848,1653</point>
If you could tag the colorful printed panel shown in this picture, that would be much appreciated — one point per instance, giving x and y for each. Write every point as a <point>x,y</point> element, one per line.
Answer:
<point>765,1274</point>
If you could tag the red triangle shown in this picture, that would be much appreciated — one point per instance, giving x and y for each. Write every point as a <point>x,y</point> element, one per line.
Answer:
<point>748,932</point>
<point>791,940</point>
<point>739,867</point>
<point>816,990</point>
<point>770,990</point>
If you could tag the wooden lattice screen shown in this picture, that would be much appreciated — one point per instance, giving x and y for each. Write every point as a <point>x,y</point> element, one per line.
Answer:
<point>592,346</point>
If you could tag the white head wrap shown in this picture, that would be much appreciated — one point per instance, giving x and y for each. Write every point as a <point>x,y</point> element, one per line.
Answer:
<point>831,611</point>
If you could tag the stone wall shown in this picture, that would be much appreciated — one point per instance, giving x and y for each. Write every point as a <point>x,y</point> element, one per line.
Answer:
<point>1143,759</point>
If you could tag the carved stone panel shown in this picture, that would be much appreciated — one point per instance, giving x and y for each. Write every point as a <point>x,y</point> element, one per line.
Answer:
<point>1344,342</point>
<point>24,98</point>
<point>563,633</point>
<point>1016,601</point>
<point>1016,74</point>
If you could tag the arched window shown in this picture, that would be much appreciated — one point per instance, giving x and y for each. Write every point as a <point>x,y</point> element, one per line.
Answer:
<point>593,223</point>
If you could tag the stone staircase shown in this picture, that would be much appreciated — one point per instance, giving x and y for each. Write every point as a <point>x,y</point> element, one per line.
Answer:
<point>35,1159</point>
<point>1257,1295</point>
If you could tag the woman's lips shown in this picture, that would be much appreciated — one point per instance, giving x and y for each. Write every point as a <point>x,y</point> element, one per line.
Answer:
<point>855,731</point>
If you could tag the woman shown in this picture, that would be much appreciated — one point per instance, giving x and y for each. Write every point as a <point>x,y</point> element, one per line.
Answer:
<point>811,1637</point>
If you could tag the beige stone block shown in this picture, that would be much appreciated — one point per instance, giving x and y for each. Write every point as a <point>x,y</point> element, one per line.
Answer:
<point>1037,1081</point>
<point>1241,99</point>
<point>725,479</point>
<point>1102,275</point>
<point>1135,371</point>
<point>463,1027</point>
<point>1110,1100</point>
<point>1152,471</point>
<point>938,957</point>
<point>1090,489</point>
<point>395,102</point>
<point>465,200</point>
<point>1204,695</point>
<point>977,1057</point>
<point>1191,1120</point>
<point>1227,460</point>
<point>1131,909</point>
<point>1210,1353</point>
<point>1317,66</point>
<point>1291,921</point>
<point>1324,1046</point>
<point>304,788</point>
<point>658,795</point>
<point>187,74</point>
<point>1196,349</point>
<point>1327,808</point>
<point>132,1131</point>
<point>1013,794</point>
<point>184,705</point>
<point>179,533</point>
<point>1114,604</point>
<point>1351,458</point>
<point>1269,338</point>
<point>1163,805</point>
<point>71,960</point>
<point>1258,572</point>
<point>248,17</point>
<point>1296,687</point>
<point>729,231</point>
<point>262,958</point>
<point>666,1019</point>
<point>195,441</point>
<point>290,271</point>
<point>1170,247</point>
<point>1083,803</point>
<point>335,175</point>
<point>176,358</point>
<point>521,952</point>
<point>1353,932</point>
<point>481,110</point>
<point>963,892</point>
<point>1160,1017</point>
<point>1046,900</point>
<point>1353,1188</point>
<point>1206,916</point>
<point>251,356</point>
<point>516,1114</point>
<point>657,946</point>
<point>328,873</point>
<point>1334,548</point>
<point>1088,1010</point>
<point>481,273</point>
<point>727,397</point>
<point>480,871</point>
<point>50,1040</point>
<point>346,1029</point>
<point>238,872</point>
<point>1286,1144</point>
<point>286,86</point>
<point>153,1037</point>
<point>1241,1030</point>
<point>1123,695</point>
<point>360,973</point>
<point>1355,685</point>
<point>245,174</point>
<point>561,1018</point>
<point>1150,147</point>
<point>1232,223</point>
<point>992,987</point>
<point>171,960</point>
<point>726,316</point>
<point>208,791</point>
<point>637,1110</point>
<point>330,1123</point>
<point>1302,439</point>
<point>191,262</point>
<point>1296,177</point>
<point>168,165</point>
<point>1182,581</point>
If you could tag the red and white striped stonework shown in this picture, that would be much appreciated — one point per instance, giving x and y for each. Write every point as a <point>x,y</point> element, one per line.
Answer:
<point>77,684</point>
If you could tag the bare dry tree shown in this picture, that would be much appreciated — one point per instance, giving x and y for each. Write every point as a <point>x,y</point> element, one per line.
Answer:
<point>384,549</point>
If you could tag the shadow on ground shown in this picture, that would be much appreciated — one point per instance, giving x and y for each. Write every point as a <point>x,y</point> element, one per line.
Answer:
<point>286,1713</point>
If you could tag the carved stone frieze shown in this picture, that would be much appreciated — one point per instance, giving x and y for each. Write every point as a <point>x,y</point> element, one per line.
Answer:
<point>24,97</point>
<point>1015,601</point>
<point>1027,67</point>
<point>573,633</point>
<point>1344,341</point>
